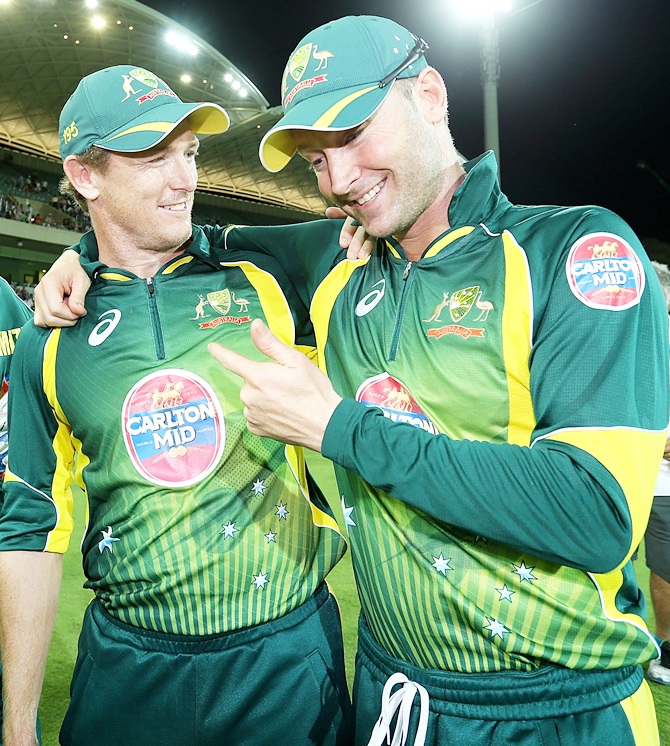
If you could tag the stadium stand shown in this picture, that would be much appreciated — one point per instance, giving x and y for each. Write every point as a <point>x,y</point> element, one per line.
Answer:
<point>46,53</point>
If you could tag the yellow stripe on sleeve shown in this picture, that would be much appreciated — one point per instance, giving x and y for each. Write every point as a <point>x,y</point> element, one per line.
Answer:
<point>273,301</point>
<point>632,456</point>
<point>58,539</point>
<point>296,462</point>
<point>324,300</point>
<point>517,326</point>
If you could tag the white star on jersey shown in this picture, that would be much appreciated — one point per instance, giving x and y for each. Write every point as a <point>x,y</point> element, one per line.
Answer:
<point>107,539</point>
<point>259,487</point>
<point>282,511</point>
<point>441,564</point>
<point>271,537</point>
<point>260,580</point>
<point>505,594</point>
<point>525,573</point>
<point>346,512</point>
<point>495,628</point>
<point>228,530</point>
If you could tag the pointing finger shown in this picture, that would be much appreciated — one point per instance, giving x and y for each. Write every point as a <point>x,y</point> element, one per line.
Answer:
<point>231,360</point>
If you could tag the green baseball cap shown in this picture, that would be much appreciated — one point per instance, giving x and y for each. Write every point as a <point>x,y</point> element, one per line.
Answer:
<point>338,76</point>
<point>128,109</point>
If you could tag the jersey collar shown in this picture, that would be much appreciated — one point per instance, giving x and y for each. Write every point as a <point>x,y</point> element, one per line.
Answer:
<point>478,199</point>
<point>197,246</point>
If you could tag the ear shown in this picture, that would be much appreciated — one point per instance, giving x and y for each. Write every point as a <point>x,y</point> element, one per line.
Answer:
<point>81,177</point>
<point>432,94</point>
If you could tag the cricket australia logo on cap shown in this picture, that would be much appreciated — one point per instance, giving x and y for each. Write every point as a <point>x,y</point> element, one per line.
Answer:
<point>395,401</point>
<point>604,272</point>
<point>298,63</point>
<point>139,77</point>
<point>173,428</point>
<point>296,67</point>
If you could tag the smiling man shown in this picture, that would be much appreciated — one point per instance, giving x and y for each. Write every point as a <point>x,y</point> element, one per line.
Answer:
<point>494,407</point>
<point>206,548</point>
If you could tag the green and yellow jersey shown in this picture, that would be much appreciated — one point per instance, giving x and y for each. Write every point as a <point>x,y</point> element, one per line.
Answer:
<point>501,431</point>
<point>194,525</point>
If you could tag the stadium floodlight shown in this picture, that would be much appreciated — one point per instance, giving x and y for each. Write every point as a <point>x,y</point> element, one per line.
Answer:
<point>91,4</point>
<point>98,22</point>
<point>482,8</point>
<point>185,78</point>
<point>485,11</point>
<point>181,43</point>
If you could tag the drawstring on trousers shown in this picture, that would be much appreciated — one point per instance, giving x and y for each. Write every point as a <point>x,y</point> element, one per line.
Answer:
<point>400,701</point>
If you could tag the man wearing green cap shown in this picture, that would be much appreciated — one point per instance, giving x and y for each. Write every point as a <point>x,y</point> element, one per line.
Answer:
<point>495,407</point>
<point>206,548</point>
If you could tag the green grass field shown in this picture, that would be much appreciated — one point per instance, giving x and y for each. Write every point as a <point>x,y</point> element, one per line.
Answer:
<point>74,599</point>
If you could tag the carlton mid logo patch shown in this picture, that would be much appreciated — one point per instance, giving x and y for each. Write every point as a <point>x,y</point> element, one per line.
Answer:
<point>395,401</point>
<point>604,271</point>
<point>173,428</point>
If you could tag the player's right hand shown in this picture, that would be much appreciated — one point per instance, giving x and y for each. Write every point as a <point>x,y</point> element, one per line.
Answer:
<point>59,298</point>
<point>353,236</point>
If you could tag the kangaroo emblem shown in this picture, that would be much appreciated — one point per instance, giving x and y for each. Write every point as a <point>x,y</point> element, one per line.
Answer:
<point>128,87</point>
<point>438,309</point>
<point>200,308</point>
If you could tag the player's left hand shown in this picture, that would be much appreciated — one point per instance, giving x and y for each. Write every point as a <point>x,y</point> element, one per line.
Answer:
<point>353,236</point>
<point>289,399</point>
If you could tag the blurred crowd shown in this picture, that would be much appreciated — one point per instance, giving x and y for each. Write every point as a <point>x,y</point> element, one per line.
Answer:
<point>30,183</point>
<point>26,293</point>
<point>74,219</point>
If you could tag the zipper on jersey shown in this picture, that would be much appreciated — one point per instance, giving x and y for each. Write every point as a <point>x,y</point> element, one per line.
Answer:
<point>407,277</point>
<point>156,330</point>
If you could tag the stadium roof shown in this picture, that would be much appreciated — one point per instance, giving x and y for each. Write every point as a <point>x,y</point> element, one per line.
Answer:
<point>49,45</point>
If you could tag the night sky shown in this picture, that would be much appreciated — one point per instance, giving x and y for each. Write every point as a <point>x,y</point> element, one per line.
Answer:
<point>584,92</point>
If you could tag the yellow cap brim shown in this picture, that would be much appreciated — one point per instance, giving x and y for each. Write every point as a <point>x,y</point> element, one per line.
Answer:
<point>276,149</point>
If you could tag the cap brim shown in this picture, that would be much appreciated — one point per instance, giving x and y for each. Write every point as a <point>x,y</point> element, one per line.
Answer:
<point>149,130</point>
<point>336,110</point>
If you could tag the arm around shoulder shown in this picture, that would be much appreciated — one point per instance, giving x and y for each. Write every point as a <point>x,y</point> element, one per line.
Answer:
<point>59,298</point>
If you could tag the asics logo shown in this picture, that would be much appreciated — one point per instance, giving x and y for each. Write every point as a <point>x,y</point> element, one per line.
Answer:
<point>366,304</point>
<point>104,327</point>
